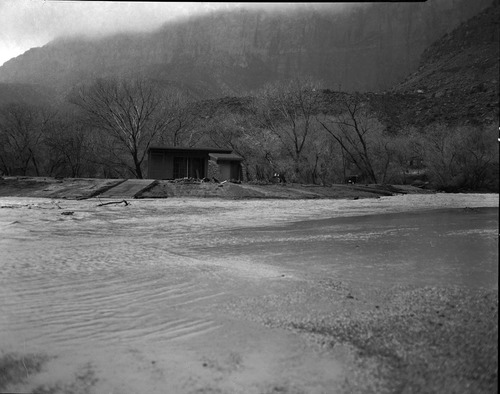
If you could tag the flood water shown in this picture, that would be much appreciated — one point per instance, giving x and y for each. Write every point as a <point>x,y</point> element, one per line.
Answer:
<point>132,291</point>
<point>443,247</point>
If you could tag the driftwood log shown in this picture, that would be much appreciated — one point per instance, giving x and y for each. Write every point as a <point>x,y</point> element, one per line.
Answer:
<point>114,202</point>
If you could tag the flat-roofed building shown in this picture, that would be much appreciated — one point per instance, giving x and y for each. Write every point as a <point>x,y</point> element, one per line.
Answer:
<point>228,165</point>
<point>166,162</point>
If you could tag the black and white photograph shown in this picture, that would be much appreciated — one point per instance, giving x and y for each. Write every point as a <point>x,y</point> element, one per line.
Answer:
<point>249,198</point>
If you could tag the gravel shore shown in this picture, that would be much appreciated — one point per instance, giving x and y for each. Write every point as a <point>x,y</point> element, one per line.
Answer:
<point>393,340</point>
<point>397,340</point>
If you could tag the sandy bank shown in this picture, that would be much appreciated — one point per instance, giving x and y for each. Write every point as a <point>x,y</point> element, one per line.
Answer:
<point>249,296</point>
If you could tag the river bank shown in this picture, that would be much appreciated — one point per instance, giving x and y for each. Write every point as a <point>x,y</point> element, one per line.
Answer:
<point>83,188</point>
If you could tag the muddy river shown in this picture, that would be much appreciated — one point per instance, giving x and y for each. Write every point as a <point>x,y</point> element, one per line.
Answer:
<point>129,299</point>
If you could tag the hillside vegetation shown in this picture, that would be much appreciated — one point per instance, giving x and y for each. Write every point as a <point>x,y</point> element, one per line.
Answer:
<point>458,74</point>
<point>435,129</point>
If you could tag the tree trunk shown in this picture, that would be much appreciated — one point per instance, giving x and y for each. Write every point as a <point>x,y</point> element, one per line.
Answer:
<point>137,164</point>
<point>138,171</point>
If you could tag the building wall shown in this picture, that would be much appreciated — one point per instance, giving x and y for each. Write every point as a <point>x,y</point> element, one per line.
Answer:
<point>229,170</point>
<point>213,170</point>
<point>225,170</point>
<point>236,171</point>
<point>164,163</point>
<point>161,164</point>
<point>189,166</point>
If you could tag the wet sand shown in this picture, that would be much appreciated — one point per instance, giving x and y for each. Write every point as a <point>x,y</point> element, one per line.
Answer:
<point>398,294</point>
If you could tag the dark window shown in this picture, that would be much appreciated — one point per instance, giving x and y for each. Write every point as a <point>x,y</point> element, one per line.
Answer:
<point>180,167</point>
<point>197,167</point>
<point>192,167</point>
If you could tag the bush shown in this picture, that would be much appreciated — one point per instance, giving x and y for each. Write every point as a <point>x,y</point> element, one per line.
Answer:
<point>464,158</point>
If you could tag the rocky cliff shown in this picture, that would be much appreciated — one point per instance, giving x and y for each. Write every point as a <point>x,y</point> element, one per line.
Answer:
<point>368,48</point>
<point>456,82</point>
<point>457,78</point>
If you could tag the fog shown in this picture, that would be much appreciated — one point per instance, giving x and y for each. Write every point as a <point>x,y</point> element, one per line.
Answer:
<point>32,23</point>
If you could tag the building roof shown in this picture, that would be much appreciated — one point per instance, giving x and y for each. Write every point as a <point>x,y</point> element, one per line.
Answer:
<point>184,149</point>
<point>226,157</point>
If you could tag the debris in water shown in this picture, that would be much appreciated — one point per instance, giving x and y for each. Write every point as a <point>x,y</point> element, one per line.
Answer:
<point>114,202</point>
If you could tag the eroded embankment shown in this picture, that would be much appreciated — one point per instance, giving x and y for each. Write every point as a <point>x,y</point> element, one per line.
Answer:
<point>82,188</point>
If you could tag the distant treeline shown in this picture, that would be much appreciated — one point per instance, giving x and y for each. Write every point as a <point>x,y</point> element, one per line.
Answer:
<point>107,127</point>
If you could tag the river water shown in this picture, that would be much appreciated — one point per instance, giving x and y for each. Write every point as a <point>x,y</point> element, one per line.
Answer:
<point>131,292</point>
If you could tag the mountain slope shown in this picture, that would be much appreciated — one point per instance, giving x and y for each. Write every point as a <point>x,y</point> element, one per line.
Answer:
<point>26,93</point>
<point>457,80</point>
<point>456,83</point>
<point>368,48</point>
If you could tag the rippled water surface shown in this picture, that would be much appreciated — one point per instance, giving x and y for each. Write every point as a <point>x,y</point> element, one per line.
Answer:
<point>122,287</point>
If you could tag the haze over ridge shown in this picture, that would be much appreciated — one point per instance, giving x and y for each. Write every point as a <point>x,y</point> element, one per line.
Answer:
<point>29,24</point>
<point>232,52</point>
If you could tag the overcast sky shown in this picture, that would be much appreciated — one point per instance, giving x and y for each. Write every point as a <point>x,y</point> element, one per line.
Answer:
<point>25,24</point>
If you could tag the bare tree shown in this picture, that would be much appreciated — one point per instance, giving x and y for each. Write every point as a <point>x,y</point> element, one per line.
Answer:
<point>182,129</point>
<point>133,113</point>
<point>460,157</point>
<point>69,148</point>
<point>238,132</point>
<point>22,129</point>
<point>355,130</point>
<point>287,110</point>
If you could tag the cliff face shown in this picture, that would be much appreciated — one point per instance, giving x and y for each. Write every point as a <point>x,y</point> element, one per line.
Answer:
<point>368,48</point>
<point>457,78</point>
<point>455,84</point>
